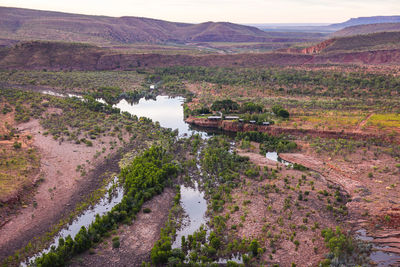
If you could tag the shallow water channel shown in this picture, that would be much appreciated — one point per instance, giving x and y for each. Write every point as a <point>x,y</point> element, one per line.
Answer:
<point>169,113</point>
<point>105,204</point>
<point>381,258</point>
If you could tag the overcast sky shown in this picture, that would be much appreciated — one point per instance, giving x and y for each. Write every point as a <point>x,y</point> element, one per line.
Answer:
<point>239,11</point>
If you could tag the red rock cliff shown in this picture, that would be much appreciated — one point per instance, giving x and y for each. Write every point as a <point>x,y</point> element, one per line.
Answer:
<point>233,126</point>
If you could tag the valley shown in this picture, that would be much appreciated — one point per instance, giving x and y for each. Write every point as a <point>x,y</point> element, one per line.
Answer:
<point>128,141</point>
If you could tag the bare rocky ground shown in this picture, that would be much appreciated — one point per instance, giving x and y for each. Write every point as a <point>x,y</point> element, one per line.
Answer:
<point>62,188</point>
<point>371,179</point>
<point>266,219</point>
<point>136,240</point>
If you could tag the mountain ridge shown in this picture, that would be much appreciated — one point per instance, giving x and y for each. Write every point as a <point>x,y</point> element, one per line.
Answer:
<point>28,24</point>
<point>367,29</point>
<point>366,20</point>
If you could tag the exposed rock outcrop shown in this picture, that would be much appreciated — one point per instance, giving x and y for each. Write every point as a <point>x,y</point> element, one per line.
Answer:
<point>234,126</point>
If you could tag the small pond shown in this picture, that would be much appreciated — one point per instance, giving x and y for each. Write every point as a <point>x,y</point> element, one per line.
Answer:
<point>381,258</point>
<point>275,157</point>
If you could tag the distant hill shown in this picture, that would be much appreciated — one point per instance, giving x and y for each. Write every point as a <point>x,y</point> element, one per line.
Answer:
<point>356,43</point>
<point>27,24</point>
<point>366,20</point>
<point>367,29</point>
<point>374,41</point>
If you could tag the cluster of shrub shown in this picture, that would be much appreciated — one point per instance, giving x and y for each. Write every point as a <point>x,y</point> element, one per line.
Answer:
<point>162,251</point>
<point>268,143</point>
<point>280,111</point>
<point>78,121</point>
<point>248,111</point>
<point>344,250</point>
<point>145,177</point>
<point>204,247</point>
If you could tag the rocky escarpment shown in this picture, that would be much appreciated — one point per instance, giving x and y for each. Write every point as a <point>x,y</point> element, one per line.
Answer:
<point>68,56</point>
<point>316,49</point>
<point>234,126</point>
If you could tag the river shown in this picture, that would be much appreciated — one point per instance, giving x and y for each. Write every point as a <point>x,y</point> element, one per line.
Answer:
<point>168,111</point>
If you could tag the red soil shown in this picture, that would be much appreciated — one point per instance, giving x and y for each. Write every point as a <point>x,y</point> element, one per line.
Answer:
<point>61,189</point>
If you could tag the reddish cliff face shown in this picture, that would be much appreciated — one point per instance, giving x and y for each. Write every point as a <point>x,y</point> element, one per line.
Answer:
<point>232,126</point>
<point>316,49</point>
<point>312,50</point>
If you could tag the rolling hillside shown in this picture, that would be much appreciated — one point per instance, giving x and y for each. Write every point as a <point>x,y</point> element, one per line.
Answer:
<point>26,24</point>
<point>367,29</point>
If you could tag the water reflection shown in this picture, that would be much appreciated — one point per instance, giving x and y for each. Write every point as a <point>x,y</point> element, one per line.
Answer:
<point>275,157</point>
<point>164,109</point>
<point>381,258</point>
<point>195,206</point>
<point>105,205</point>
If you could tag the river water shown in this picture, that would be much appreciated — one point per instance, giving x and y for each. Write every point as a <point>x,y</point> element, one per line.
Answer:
<point>381,258</point>
<point>169,113</point>
<point>105,204</point>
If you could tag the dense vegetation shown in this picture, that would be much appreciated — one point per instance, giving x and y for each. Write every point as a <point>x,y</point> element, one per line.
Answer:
<point>145,177</point>
<point>268,143</point>
<point>77,81</point>
<point>223,171</point>
<point>344,251</point>
<point>226,105</point>
<point>289,81</point>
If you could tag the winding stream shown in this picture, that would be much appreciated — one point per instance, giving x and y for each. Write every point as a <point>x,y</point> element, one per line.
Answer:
<point>169,113</point>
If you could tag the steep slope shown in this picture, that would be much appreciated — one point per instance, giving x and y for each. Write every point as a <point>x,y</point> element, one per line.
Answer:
<point>368,42</point>
<point>26,24</point>
<point>64,56</point>
<point>42,55</point>
<point>356,43</point>
<point>367,29</point>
